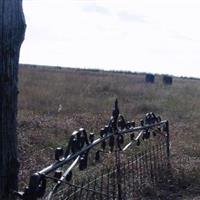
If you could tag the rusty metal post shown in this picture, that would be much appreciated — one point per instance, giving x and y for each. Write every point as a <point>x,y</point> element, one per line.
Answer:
<point>87,191</point>
<point>136,169</point>
<point>101,185</point>
<point>128,174</point>
<point>146,163</point>
<point>118,164</point>
<point>113,184</point>
<point>168,140</point>
<point>108,184</point>
<point>140,168</point>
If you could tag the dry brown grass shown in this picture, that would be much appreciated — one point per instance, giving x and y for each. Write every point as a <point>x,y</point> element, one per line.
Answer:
<point>87,99</point>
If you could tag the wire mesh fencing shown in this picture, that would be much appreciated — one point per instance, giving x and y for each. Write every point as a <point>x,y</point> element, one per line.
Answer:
<point>124,162</point>
<point>140,173</point>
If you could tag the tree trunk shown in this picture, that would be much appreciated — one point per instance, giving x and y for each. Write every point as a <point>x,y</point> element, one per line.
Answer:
<point>12,29</point>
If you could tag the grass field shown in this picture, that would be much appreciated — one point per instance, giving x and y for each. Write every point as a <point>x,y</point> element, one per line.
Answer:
<point>55,101</point>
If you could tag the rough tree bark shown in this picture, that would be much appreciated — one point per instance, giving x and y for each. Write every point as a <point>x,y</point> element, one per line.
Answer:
<point>12,29</point>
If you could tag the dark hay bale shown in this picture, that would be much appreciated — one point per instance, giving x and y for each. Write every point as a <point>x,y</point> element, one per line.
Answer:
<point>167,80</point>
<point>150,78</point>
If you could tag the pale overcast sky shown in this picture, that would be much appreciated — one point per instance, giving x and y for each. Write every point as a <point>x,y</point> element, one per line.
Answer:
<point>158,36</point>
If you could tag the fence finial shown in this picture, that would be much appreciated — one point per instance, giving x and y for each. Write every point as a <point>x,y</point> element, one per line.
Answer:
<point>115,113</point>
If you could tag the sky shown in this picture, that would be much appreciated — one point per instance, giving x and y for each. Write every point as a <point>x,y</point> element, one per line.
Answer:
<point>157,36</point>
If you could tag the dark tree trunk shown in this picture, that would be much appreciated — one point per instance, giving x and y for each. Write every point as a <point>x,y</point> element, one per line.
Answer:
<point>12,29</point>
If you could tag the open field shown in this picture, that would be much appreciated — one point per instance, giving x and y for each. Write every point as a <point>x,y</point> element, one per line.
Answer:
<point>53,102</point>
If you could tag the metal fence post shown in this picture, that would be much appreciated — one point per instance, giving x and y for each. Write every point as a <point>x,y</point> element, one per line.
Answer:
<point>117,157</point>
<point>168,141</point>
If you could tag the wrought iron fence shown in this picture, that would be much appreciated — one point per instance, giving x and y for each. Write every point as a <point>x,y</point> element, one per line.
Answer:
<point>124,161</point>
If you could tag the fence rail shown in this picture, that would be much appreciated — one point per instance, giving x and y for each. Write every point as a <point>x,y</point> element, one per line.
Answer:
<point>119,164</point>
